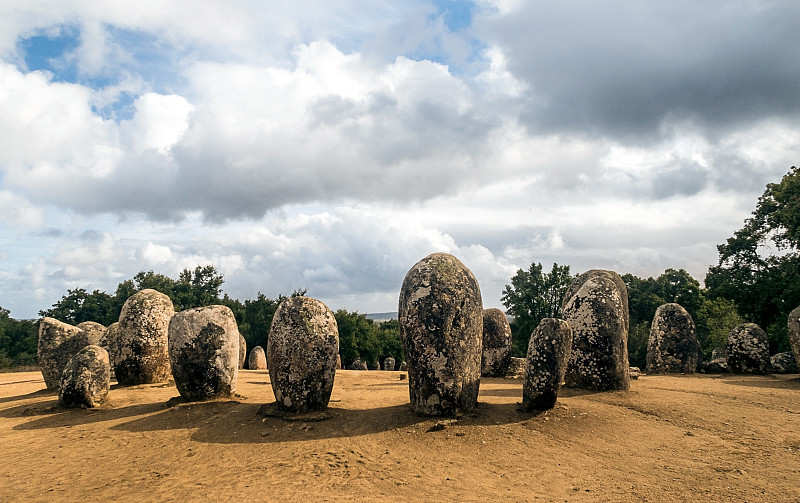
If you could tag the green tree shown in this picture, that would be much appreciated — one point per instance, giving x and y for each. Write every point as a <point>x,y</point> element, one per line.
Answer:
<point>78,306</point>
<point>197,288</point>
<point>532,296</point>
<point>18,340</point>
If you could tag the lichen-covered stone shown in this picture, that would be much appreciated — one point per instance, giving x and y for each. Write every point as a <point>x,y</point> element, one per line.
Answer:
<point>204,352</point>
<point>242,351</point>
<point>748,350</point>
<point>85,380</point>
<point>716,366</point>
<point>496,343</point>
<point>672,346</point>
<point>388,363</point>
<point>718,353</point>
<point>257,359</point>
<point>94,332</point>
<point>516,367</point>
<point>301,354</point>
<point>548,351</point>
<point>142,356</point>
<point>441,327</point>
<point>783,363</point>
<point>403,366</point>
<point>794,332</point>
<point>58,342</point>
<point>596,308</point>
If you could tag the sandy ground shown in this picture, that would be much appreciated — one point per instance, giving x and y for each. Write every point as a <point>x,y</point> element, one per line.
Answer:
<point>677,438</point>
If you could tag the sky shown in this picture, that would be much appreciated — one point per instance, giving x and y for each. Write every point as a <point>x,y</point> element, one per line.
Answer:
<point>332,145</point>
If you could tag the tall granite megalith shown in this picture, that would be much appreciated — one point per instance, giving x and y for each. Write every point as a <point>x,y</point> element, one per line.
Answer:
<point>141,339</point>
<point>441,327</point>
<point>596,308</point>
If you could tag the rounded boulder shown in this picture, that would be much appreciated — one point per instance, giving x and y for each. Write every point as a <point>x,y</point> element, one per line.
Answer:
<point>496,354</point>
<point>672,346</point>
<point>301,354</point>
<point>596,308</point>
<point>257,359</point>
<point>142,341</point>
<point>204,352</point>
<point>441,328</point>
<point>86,379</point>
<point>748,350</point>
<point>58,342</point>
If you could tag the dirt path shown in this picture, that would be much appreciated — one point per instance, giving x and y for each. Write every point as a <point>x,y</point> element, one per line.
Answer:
<point>722,438</point>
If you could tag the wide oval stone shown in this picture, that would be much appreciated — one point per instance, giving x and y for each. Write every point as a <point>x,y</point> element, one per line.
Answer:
<point>794,332</point>
<point>596,308</point>
<point>58,342</point>
<point>301,354</point>
<point>204,352</point>
<point>257,359</point>
<point>546,362</point>
<point>672,346</point>
<point>142,340</point>
<point>441,327</point>
<point>747,349</point>
<point>496,343</point>
<point>85,380</point>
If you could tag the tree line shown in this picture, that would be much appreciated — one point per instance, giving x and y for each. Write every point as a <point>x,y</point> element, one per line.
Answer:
<point>757,279</point>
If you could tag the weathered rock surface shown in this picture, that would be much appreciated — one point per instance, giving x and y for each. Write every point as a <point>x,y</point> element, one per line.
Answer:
<point>204,352</point>
<point>634,372</point>
<point>794,332</point>
<point>516,367</point>
<point>718,353</point>
<point>716,366</point>
<point>357,364</point>
<point>496,343</point>
<point>672,346</point>
<point>389,363</point>
<point>257,359</point>
<point>548,351</point>
<point>748,350</point>
<point>301,354</point>
<point>141,355</point>
<point>441,327</point>
<point>86,379</point>
<point>242,351</point>
<point>596,308</point>
<point>338,362</point>
<point>94,332</point>
<point>403,366</point>
<point>58,342</point>
<point>783,363</point>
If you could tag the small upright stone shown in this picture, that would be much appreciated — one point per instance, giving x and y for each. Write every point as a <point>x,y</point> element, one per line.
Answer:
<point>142,356</point>
<point>441,327</point>
<point>388,363</point>
<point>596,308</point>
<point>242,351</point>
<point>358,364</point>
<point>403,366</point>
<point>301,354</point>
<point>257,359</point>
<point>85,380</point>
<point>673,346</point>
<point>794,332</point>
<point>548,351</point>
<point>748,349</point>
<point>204,352</point>
<point>58,342</point>
<point>496,343</point>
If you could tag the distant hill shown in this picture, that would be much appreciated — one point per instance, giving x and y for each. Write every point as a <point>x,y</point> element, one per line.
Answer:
<point>379,317</point>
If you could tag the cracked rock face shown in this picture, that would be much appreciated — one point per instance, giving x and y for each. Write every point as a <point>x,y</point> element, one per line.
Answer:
<point>86,379</point>
<point>58,342</point>
<point>441,327</point>
<point>794,332</point>
<point>596,308</point>
<point>672,346</point>
<point>548,351</point>
<point>257,359</point>
<point>301,354</point>
<point>141,355</point>
<point>204,352</point>
<point>748,350</point>
<point>496,343</point>
<point>242,351</point>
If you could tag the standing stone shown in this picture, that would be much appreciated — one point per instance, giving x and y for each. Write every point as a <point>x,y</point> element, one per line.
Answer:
<point>301,354</point>
<point>794,332</point>
<point>403,366</point>
<point>388,363</point>
<point>673,346</point>
<point>718,353</point>
<point>58,342</point>
<point>516,367</point>
<point>94,332</point>
<point>358,364</point>
<point>86,378</point>
<point>258,359</point>
<point>748,349</point>
<point>441,327</point>
<point>548,351</point>
<point>596,308</point>
<point>338,362</point>
<point>783,363</point>
<point>204,352</point>
<point>142,356</point>
<point>496,343</point>
<point>242,351</point>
